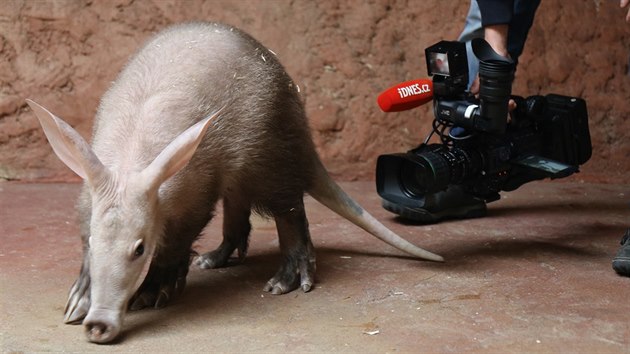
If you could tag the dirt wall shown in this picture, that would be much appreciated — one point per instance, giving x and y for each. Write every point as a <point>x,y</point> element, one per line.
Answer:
<point>64,54</point>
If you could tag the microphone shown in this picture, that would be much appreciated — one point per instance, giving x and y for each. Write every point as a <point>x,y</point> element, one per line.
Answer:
<point>406,95</point>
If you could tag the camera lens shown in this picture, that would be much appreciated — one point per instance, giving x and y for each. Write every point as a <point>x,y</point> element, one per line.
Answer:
<point>425,175</point>
<point>432,171</point>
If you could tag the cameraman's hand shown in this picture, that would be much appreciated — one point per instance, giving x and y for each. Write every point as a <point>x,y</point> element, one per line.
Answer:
<point>624,3</point>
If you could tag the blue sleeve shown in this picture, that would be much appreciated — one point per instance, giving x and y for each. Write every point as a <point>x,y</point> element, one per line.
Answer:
<point>496,12</point>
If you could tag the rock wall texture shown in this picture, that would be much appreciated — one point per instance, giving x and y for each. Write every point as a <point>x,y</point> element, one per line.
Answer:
<point>65,53</point>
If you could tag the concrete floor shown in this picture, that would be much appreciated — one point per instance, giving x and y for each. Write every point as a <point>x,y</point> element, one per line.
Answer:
<point>533,276</point>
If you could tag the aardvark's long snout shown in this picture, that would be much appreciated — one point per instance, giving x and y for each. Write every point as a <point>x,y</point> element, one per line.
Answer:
<point>102,325</point>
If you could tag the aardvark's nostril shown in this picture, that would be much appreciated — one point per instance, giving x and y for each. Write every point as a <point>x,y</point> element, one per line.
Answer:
<point>99,332</point>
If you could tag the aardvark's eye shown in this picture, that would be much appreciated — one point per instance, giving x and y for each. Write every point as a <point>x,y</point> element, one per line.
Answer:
<point>139,251</point>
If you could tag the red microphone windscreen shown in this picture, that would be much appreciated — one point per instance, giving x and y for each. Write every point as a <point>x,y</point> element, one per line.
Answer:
<point>407,95</point>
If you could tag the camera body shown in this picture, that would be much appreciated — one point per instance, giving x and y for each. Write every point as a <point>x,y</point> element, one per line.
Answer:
<point>547,136</point>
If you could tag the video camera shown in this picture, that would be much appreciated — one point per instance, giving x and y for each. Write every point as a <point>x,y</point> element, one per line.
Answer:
<point>482,149</point>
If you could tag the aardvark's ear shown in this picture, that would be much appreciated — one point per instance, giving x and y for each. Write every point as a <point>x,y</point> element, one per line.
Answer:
<point>176,154</point>
<point>71,148</point>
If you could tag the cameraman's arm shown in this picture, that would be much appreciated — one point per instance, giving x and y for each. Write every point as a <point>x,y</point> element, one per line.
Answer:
<point>496,36</point>
<point>495,18</point>
<point>496,15</point>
